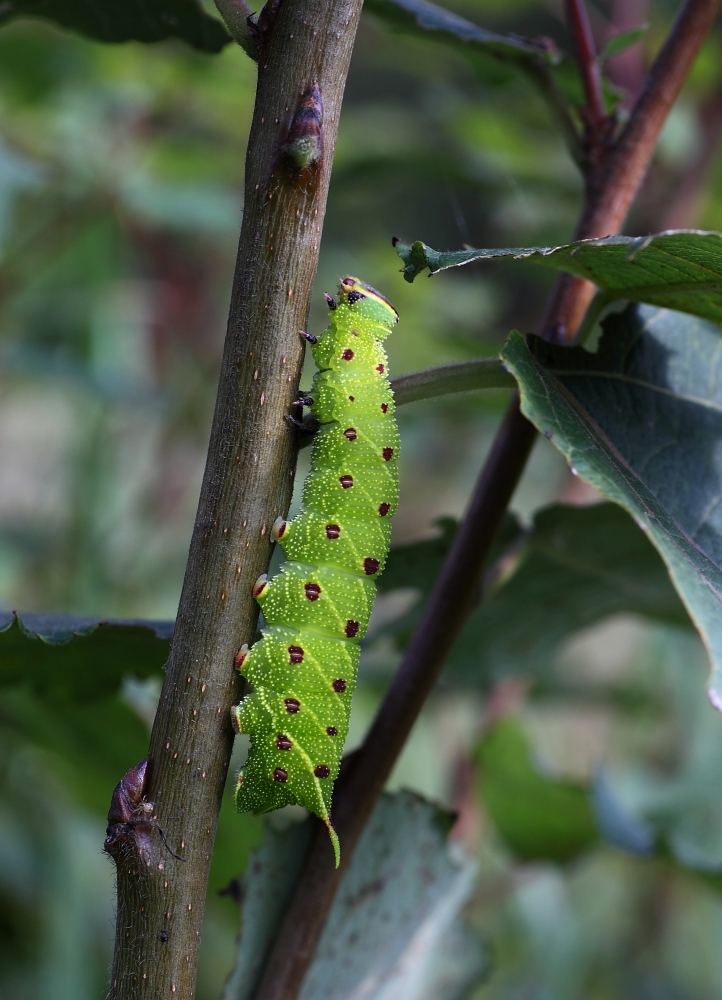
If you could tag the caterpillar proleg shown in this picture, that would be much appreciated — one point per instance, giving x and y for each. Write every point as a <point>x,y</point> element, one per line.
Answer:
<point>317,608</point>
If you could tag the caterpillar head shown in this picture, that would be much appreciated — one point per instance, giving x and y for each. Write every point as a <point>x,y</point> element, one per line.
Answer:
<point>367,303</point>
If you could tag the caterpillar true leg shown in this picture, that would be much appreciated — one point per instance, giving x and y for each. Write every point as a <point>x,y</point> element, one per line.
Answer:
<point>317,608</point>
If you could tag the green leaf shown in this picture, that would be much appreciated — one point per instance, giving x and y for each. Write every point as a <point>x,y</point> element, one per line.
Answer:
<point>419,17</point>
<point>93,744</point>
<point>538,818</point>
<point>393,929</point>
<point>127,20</point>
<point>641,420</point>
<point>623,41</point>
<point>679,269</point>
<point>577,566</point>
<point>79,659</point>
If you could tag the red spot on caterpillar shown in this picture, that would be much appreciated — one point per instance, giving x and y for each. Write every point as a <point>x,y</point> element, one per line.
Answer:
<point>371,566</point>
<point>295,654</point>
<point>313,591</point>
<point>380,368</point>
<point>346,482</point>
<point>352,628</point>
<point>279,529</point>
<point>292,705</point>
<point>351,399</point>
<point>283,742</point>
<point>350,433</point>
<point>240,657</point>
<point>388,454</point>
<point>339,685</point>
<point>347,354</point>
<point>332,731</point>
<point>384,508</point>
<point>322,771</point>
<point>280,775</point>
<point>260,585</point>
<point>384,407</point>
<point>332,531</point>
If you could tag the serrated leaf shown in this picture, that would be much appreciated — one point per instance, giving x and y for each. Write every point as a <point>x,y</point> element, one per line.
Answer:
<point>621,42</point>
<point>393,930</point>
<point>641,420</point>
<point>537,817</point>
<point>679,269</point>
<point>79,659</point>
<point>126,20</point>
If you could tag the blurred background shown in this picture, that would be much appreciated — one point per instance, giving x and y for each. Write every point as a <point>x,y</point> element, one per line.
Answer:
<point>121,171</point>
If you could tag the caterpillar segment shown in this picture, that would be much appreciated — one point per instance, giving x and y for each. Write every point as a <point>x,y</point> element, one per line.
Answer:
<point>317,608</point>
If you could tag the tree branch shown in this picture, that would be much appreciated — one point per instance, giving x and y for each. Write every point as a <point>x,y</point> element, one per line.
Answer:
<point>359,787</point>
<point>624,169</point>
<point>578,21</point>
<point>236,15</point>
<point>304,48</point>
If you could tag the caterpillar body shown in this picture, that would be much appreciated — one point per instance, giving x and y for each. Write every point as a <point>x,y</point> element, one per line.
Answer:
<point>317,608</point>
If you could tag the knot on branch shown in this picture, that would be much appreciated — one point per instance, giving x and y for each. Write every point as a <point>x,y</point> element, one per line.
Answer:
<point>261,28</point>
<point>302,150</point>
<point>131,823</point>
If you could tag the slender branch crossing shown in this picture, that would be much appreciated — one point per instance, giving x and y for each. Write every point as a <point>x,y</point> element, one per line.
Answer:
<point>578,21</point>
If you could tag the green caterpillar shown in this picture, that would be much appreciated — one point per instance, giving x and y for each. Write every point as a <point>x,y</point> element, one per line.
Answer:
<point>317,609</point>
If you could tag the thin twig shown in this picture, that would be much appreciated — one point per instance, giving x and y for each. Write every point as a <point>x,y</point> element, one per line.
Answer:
<point>465,376</point>
<point>609,200</point>
<point>358,790</point>
<point>481,373</point>
<point>578,21</point>
<point>238,15</point>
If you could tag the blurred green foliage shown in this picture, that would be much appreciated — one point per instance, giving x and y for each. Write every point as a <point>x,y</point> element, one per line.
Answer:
<point>120,201</point>
<point>538,818</point>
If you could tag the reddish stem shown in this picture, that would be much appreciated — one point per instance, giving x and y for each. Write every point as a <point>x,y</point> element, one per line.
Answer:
<point>578,21</point>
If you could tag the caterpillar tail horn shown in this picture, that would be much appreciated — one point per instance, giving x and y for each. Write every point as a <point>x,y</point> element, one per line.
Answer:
<point>334,843</point>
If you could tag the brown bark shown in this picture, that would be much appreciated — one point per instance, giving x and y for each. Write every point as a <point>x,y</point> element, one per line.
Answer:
<point>304,52</point>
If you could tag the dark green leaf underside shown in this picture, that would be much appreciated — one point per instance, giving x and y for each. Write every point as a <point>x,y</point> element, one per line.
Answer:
<point>79,659</point>
<point>578,566</point>
<point>642,421</point>
<point>679,270</point>
<point>575,567</point>
<point>126,20</point>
